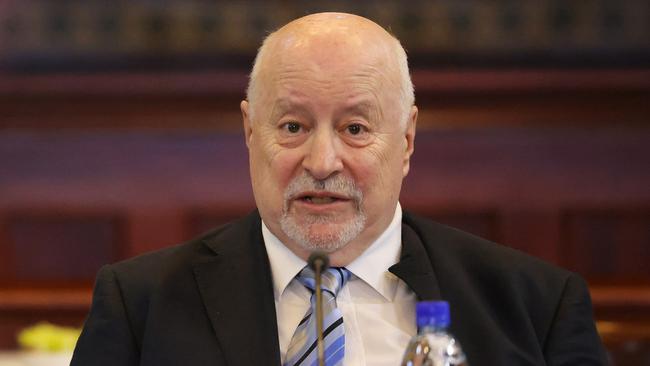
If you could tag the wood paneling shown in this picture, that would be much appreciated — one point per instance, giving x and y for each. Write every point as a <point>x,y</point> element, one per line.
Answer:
<point>20,308</point>
<point>59,247</point>
<point>608,244</point>
<point>628,343</point>
<point>624,322</point>
<point>210,100</point>
<point>95,168</point>
<point>511,186</point>
<point>484,223</point>
<point>201,220</point>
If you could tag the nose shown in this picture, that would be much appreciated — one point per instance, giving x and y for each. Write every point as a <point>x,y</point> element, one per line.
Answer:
<point>323,157</point>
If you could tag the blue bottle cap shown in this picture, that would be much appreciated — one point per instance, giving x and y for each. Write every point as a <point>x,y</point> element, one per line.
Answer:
<point>433,313</point>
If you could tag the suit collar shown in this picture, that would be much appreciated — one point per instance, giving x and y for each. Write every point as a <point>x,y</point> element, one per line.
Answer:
<point>415,266</point>
<point>237,291</point>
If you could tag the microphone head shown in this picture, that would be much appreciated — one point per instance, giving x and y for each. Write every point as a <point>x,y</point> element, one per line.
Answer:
<point>318,259</point>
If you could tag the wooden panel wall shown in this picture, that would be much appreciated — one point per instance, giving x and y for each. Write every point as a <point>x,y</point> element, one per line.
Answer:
<point>50,246</point>
<point>554,163</point>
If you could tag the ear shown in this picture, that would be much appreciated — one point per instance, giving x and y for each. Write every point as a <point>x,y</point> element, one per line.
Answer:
<point>248,130</point>
<point>409,135</point>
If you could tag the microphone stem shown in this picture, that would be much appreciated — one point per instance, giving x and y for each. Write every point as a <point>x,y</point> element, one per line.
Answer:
<point>319,313</point>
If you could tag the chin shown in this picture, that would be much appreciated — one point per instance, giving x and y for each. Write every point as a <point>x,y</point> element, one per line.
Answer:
<point>317,233</point>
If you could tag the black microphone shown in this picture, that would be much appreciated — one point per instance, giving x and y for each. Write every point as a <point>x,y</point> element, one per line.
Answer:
<point>319,261</point>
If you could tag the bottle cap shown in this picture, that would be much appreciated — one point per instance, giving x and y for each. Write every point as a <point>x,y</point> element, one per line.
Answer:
<point>433,313</point>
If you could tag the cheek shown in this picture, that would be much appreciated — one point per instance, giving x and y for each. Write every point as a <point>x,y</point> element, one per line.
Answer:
<point>274,165</point>
<point>282,167</point>
<point>377,171</point>
<point>366,167</point>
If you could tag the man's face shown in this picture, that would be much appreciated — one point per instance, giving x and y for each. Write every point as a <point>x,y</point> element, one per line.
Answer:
<point>328,148</point>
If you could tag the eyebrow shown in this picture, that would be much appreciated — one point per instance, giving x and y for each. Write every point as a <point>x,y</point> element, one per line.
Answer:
<point>364,108</point>
<point>283,105</point>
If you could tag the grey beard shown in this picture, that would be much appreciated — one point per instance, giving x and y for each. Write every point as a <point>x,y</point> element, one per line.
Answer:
<point>299,229</point>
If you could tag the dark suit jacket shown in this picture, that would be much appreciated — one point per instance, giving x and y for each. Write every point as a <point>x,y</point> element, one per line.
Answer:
<point>210,302</point>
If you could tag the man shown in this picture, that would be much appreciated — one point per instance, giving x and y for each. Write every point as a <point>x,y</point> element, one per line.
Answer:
<point>329,122</point>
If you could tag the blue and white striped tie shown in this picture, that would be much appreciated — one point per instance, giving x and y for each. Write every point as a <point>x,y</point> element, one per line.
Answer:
<point>303,349</point>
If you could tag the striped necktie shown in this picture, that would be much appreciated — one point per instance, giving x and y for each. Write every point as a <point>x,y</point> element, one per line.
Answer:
<point>303,349</point>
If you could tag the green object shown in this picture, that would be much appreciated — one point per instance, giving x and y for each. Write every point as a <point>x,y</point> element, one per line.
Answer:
<point>48,337</point>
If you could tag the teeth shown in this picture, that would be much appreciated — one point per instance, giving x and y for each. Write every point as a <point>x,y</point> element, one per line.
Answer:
<point>322,200</point>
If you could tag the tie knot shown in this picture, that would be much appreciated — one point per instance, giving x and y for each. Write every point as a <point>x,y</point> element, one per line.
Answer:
<point>333,279</point>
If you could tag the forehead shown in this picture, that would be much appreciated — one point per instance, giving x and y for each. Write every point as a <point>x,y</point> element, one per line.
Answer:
<point>307,80</point>
<point>331,68</point>
<point>309,90</point>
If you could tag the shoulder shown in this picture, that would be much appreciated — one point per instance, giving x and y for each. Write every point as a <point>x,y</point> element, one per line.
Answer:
<point>157,264</point>
<point>498,278</point>
<point>518,293</point>
<point>174,265</point>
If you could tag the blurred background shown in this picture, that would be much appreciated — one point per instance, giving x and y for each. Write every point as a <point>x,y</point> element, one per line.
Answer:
<point>120,134</point>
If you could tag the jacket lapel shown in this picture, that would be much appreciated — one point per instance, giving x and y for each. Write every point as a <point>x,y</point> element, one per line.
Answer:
<point>237,290</point>
<point>415,268</point>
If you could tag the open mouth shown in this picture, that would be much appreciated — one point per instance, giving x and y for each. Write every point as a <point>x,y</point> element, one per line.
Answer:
<point>321,198</point>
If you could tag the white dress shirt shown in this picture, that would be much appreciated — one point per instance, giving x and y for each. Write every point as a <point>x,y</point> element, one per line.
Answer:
<point>378,308</point>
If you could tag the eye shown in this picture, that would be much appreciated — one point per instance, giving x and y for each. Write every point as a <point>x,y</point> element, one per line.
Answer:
<point>356,133</point>
<point>354,129</point>
<point>292,127</point>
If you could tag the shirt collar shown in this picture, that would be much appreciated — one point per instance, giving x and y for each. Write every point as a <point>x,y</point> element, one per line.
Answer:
<point>371,266</point>
<point>285,265</point>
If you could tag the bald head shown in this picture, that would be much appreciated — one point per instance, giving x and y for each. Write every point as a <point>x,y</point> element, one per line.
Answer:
<point>321,41</point>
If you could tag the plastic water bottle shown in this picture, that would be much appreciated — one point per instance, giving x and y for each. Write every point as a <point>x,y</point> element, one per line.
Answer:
<point>433,345</point>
